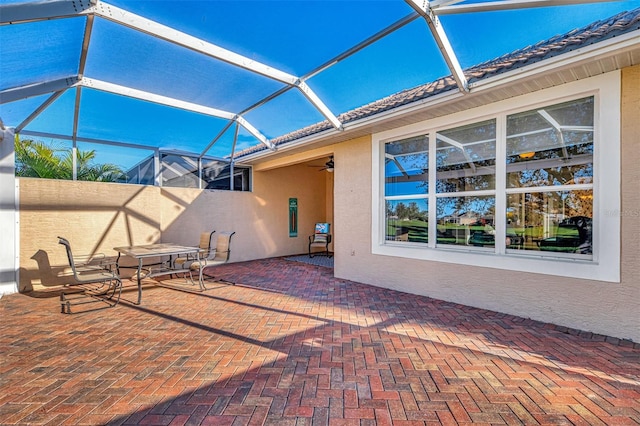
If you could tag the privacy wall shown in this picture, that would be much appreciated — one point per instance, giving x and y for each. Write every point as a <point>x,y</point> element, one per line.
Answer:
<point>95,217</point>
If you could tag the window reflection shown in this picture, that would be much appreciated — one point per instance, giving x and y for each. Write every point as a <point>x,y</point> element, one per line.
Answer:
<point>407,166</point>
<point>407,220</point>
<point>551,146</point>
<point>466,221</point>
<point>466,158</point>
<point>559,221</point>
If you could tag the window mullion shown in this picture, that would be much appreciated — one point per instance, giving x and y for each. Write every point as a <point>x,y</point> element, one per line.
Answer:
<point>501,183</point>
<point>433,221</point>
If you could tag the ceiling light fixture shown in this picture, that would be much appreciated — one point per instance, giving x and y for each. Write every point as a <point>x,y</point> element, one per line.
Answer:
<point>527,155</point>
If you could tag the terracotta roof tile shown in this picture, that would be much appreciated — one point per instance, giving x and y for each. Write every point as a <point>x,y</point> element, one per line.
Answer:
<point>593,33</point>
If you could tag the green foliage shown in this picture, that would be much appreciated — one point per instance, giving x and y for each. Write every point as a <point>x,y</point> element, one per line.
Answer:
<point>52,161</point>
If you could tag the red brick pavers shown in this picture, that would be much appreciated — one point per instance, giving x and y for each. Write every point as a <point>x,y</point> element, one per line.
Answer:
<point>291,345</point>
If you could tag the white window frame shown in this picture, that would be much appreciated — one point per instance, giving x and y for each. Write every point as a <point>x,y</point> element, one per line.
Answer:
<point>605,262</point>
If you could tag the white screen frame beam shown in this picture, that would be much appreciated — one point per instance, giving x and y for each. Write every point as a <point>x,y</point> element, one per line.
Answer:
<point>37,89</point>
<point>441,39</point>
<point>20,13</point>
<point>446,8</point>
<point>180,38</point>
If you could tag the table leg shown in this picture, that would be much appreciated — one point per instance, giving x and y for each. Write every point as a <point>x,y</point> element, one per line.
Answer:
<point>118,264</point>
<point>139,281</point>
<point>200,273</point>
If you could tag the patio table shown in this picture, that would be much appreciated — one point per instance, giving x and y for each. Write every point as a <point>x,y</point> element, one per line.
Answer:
<point>146,251</point>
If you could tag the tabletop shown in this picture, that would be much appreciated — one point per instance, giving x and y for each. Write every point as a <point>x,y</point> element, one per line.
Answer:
<point>159,249</point>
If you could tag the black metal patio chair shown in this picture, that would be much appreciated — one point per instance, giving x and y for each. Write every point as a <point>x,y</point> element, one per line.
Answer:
<point>94,280</point>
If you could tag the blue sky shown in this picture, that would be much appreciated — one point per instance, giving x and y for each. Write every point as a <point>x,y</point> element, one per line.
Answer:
<point>293,36</point>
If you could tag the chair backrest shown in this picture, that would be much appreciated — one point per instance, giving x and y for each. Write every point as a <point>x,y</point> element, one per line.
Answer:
<point>205,243</point>
<point>321,232</point>
<point>67,247</point>
<point>223,246</point>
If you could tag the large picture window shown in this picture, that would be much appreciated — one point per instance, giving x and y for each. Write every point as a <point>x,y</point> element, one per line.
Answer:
<point>526,185</point>
<point>548,184</point>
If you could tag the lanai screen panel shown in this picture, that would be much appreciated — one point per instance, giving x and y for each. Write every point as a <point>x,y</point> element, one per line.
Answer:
<point>341,54</point>
<point>401,60</point>
<point>130,58</point>
<point>141,122</point>
<point>292,36</point>
<point>40,51</point>
<point>286,113</point>
<point>57,118</point>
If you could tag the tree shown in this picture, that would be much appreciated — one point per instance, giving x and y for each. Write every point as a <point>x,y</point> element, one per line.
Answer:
<point>38,159</point>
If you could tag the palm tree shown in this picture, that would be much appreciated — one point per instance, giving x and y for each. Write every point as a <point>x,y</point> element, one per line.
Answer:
<point>37,159</point>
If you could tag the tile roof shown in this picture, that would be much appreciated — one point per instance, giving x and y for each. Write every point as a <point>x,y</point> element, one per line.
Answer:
<point>596,32</point>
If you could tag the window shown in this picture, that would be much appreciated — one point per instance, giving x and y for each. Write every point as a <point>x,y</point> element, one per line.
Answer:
<point>465,184</point>
<point>406,189</point>
<point>549,183</point>
<point>522,188</point>
<point>550,178</point>
<point>216,175</point>
<point>182,171</point>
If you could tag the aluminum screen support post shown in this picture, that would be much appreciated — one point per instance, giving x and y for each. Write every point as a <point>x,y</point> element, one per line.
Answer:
<point>9,258</point>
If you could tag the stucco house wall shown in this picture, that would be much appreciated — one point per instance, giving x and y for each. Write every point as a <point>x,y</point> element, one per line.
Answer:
<point>595,306</point>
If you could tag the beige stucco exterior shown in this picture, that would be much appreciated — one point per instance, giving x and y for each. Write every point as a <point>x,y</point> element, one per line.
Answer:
<point>96,217</point>
<point>594,306</point>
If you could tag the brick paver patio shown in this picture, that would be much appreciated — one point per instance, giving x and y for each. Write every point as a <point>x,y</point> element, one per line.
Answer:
<point>291,345</point>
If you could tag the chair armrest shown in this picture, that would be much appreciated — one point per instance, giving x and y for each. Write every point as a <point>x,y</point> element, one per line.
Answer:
<point>94,262</point>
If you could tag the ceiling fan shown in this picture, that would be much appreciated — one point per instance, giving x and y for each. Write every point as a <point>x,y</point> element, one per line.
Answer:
<point>328,166</point>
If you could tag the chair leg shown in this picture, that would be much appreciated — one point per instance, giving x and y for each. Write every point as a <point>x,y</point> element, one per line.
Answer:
<point>108,292</point>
